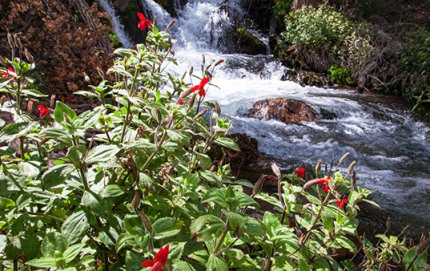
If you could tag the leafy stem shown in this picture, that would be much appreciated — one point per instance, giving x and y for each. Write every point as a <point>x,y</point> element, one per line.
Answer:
<point>220,241</point>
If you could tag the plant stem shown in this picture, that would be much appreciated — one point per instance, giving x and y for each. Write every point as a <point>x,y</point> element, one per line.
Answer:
<point>15,265</point>
<point>130,93</point>
<point>21,146</point>
<point>221,239</point>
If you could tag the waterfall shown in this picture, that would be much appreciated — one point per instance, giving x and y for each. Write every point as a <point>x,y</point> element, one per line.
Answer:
<point>390,144</point>
<point>116,25</point>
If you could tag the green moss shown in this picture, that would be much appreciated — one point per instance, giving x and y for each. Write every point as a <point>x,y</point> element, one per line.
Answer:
<point>248,43</point>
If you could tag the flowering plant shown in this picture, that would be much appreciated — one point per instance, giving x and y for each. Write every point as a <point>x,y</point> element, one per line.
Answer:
<point>107,188</point>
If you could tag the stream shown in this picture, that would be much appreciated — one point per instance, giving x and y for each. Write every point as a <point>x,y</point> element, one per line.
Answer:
<point>389,142</point>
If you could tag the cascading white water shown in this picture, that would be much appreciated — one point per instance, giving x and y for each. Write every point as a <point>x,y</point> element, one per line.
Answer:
<point>390,144</point>
<point>116,25</point>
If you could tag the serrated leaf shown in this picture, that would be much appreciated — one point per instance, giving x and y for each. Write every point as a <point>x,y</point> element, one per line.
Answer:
<point>75,226</point>
<point>236,220</point>
<point>216,263</point>
<point>166,227</point>
<point>227,142</point>
<point>176,251</point>
<point>101,153</point>
<point>183,266</point>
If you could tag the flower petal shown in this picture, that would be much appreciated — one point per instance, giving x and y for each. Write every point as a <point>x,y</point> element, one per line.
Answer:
<point>162,255</point>
<point>147,263</point>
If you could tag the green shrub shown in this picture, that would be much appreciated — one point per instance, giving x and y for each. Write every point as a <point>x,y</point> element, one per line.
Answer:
<point>340,75</point>
<point>317,27</point>
<point>281,9</point>
<point>415,63</point>
<point>323,37</point>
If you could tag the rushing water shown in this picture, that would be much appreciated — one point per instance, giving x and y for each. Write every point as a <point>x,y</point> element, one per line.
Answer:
<point>390,144</point>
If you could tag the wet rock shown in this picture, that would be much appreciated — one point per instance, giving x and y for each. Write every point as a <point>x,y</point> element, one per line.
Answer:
<point>285,110</point>
<point>248,43</point>
<point>121,5</point>
<point>248,154</point>
<point>171,5</point>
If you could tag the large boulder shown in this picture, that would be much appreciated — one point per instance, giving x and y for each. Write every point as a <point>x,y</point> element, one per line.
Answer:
<point>282,109</point>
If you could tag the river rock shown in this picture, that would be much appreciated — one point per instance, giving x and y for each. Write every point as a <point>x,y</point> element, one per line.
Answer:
<point>248,154</point>
<point>282,109</point>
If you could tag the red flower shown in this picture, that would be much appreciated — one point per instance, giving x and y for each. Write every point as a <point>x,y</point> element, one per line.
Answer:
<point>180,102</point>
<point>10,73</point>
<point>341,203</point>
<point>143,22</point>
<point>43,111</point>
<point>300,172</point>
<point>200,87</point>
<point>324,183</point>
<point>159,260</point>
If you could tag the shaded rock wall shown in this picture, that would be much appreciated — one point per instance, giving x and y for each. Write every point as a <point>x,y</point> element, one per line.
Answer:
<point>67,39</point>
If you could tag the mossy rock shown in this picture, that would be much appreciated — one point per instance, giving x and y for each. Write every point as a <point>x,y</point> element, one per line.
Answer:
<point>248,43</point>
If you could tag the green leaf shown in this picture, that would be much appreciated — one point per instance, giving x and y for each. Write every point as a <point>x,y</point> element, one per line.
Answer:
<point>123,52</point>
<point>183,266</point>
<point>86,94</point>
<point>3,242</point>
<point>57,175</point>
<point>217,196</point>
<point>344,242</point>
<point>207,227</point>
<point>44,262</point>
<point>209,176</point>
<point>71,252</point>
<point>236,220</point>
<point>133,261</point>
<point>271,221</point>
<point>166,227</point>
<point>133,224</point>
<point>245,200</point>
<point>125,240</point>
<point>75,226</point>
<point>63,112</point>
<point>111,191</point>
<point>30,169</point>
<point>75,154</point>
<point>254,228</point>
<point>54,244</point>
<point>102,153</point>
<point>304,266</point>
<point>227,142</point>
<point>216,263</point>
<point>6,203</point>
<point>33,93</point>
